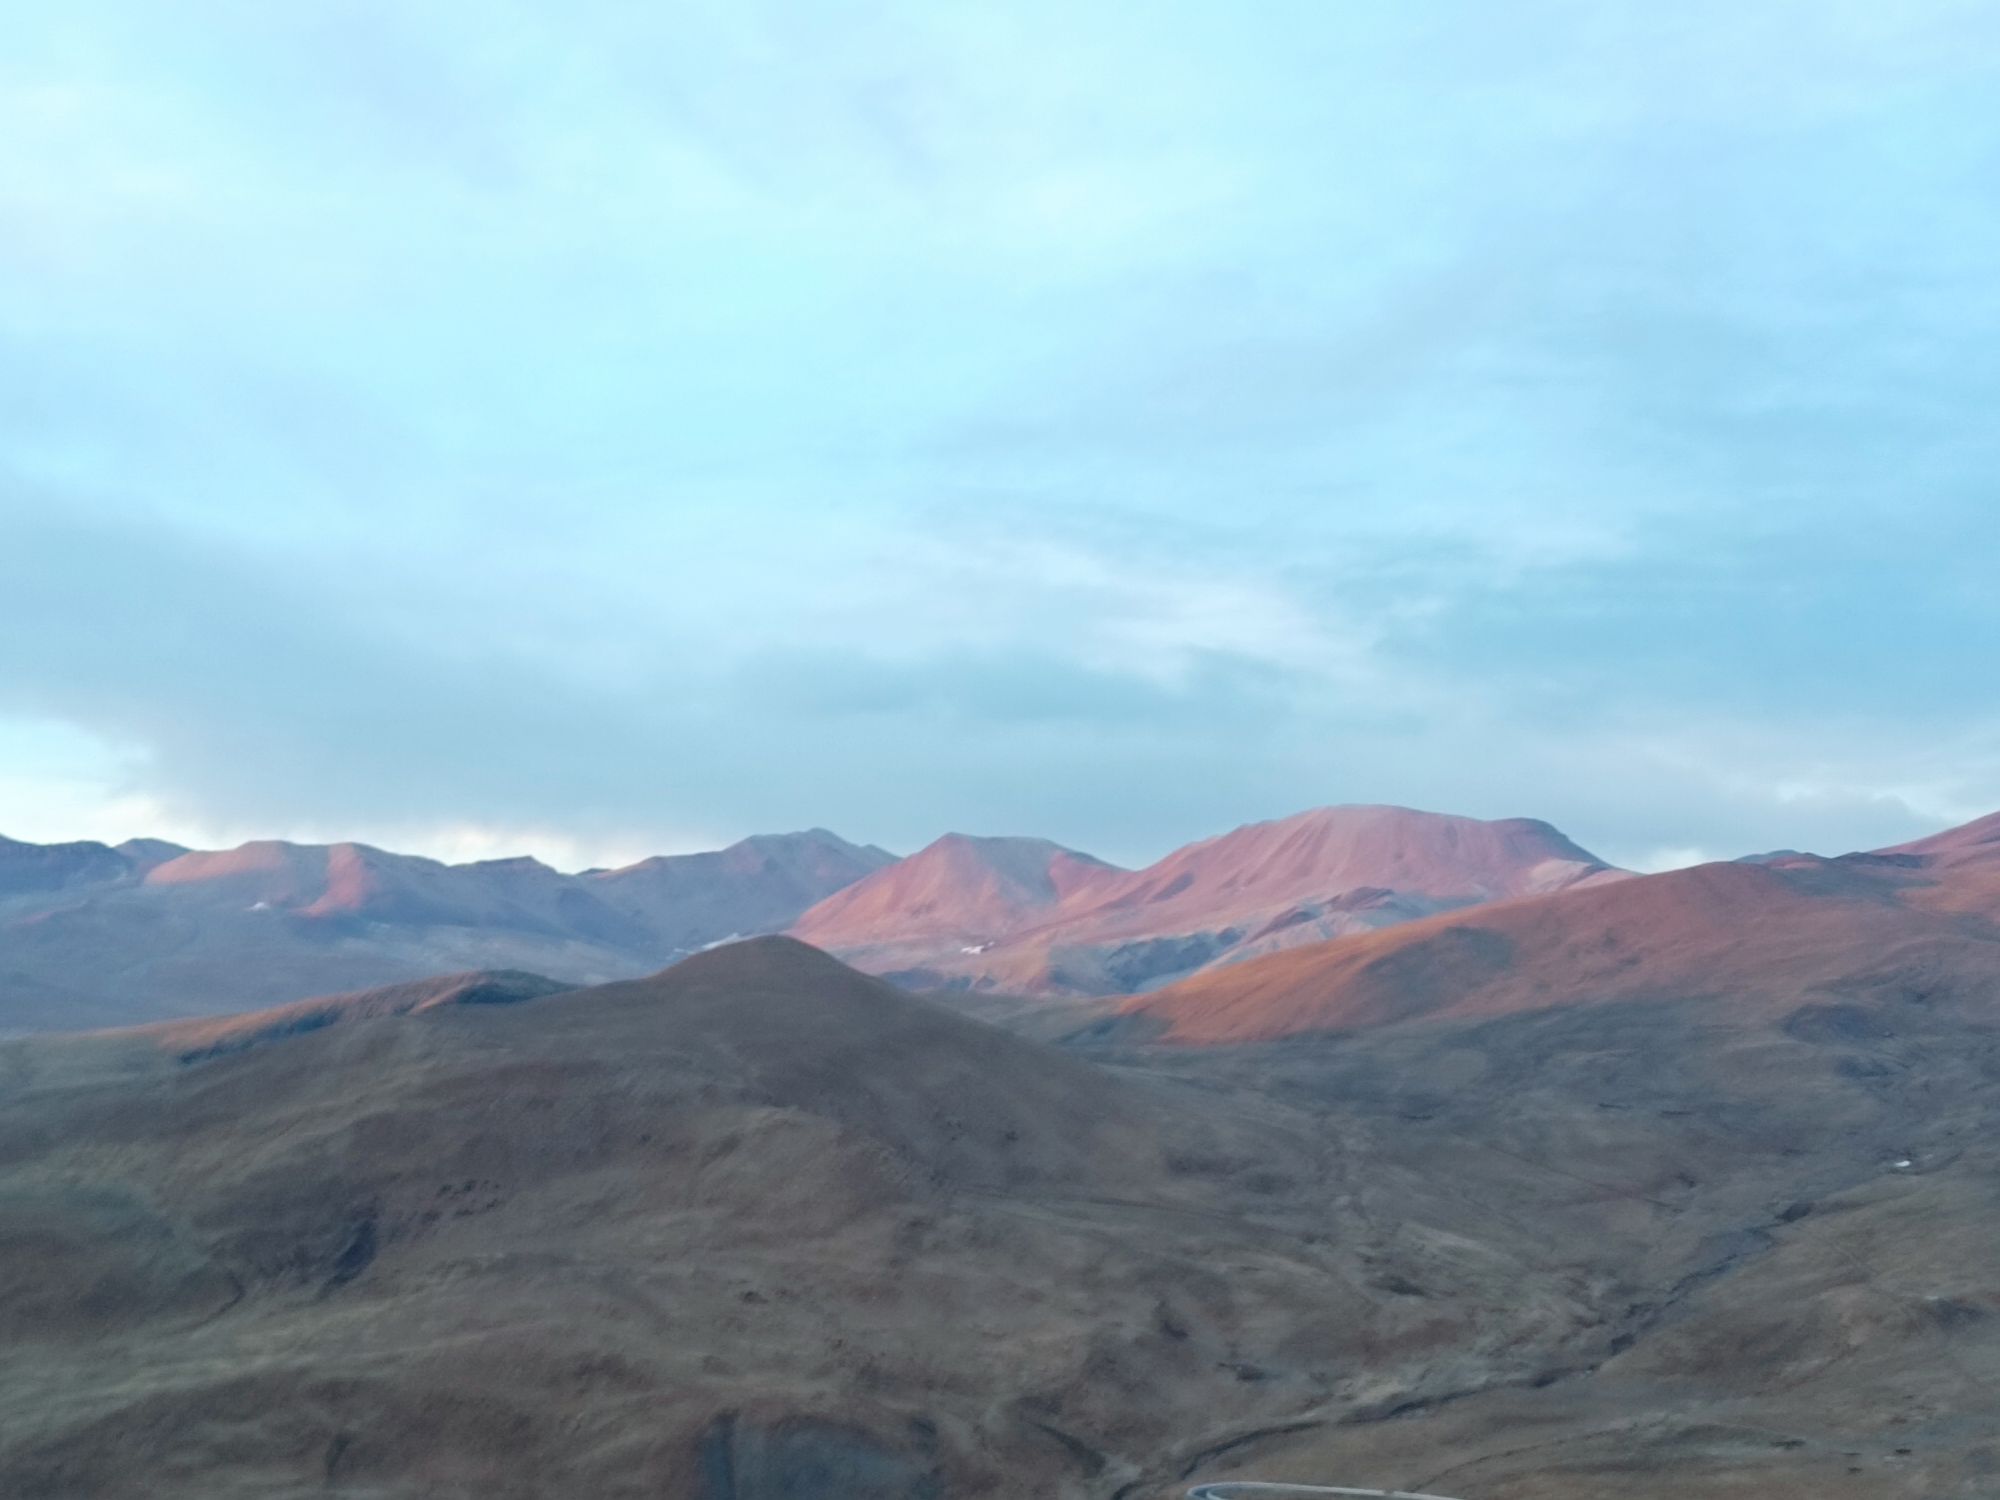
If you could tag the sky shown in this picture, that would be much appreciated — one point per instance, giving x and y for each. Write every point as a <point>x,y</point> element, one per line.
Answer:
<point>603,429</point>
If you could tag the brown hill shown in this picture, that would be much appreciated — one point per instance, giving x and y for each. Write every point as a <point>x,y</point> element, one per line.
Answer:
<point>1785,1204</point>
<point>212,1036</point>
<point>1259,889</point>
<point>1797,1064</point>
<point>1763,937</point>
<point>758,1227</point>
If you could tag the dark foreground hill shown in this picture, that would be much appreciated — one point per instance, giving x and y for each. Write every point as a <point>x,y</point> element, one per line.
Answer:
<point>760,1228</point>
<point>757,1227</point>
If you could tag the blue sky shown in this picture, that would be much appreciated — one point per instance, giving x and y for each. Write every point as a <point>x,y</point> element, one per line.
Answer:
<point>604,428</point>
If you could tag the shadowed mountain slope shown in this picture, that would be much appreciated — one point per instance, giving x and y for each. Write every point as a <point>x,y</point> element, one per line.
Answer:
<point>754,1228</point>
<point>34,869</point>
<point>760,1227</point>
<point>758,885</point>
<point>93,936</point>
<point>213,1035</point>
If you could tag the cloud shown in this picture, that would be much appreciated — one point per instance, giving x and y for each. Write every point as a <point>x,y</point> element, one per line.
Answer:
<point>657,425</point>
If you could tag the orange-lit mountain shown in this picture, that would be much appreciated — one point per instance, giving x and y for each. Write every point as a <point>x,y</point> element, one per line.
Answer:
<point>1917,924</point>
<point>954,895</point>
<point>91,935</point>
<point>1028,917</point>
<point>1962,867</point>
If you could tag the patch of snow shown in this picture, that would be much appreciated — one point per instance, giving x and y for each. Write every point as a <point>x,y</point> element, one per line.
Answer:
<point>734,937</point>
<point>976,948</point>
<point>1903,1165</point>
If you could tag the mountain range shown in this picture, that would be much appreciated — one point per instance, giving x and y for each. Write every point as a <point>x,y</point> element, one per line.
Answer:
<point>1919,923</point>
<point>92,935</point>
<point>97,935</point>
<point>1029,917</point>
<point>1658,1186</point>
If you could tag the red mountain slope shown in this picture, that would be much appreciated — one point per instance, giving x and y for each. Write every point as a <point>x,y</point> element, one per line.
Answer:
<point>1261,888</point>
<point>960,892</point>
<point>1753,938</point>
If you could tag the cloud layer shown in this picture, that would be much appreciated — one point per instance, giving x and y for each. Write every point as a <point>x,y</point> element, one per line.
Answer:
<point>629,429</point>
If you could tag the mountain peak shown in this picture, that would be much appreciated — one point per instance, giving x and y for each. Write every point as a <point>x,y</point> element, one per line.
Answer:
<point>959,890</point>
<point>775,958</point>
<point>1324,852</point>
<point>26,868</point>
<point>1026,914</point>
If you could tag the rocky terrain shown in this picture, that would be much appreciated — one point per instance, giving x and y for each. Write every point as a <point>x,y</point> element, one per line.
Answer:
<point>712,1234</point>
<point>1685,1189</point>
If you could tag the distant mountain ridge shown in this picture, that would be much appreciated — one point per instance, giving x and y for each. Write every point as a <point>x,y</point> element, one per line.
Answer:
<point>971,913</point>
<point>32,868</point>
<point>1355,900</point>
<point>94,935</point>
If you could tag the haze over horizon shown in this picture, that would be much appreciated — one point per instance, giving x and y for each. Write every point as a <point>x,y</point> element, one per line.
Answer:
<point>601,434</point>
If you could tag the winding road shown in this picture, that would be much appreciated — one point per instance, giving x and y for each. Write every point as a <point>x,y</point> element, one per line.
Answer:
<point>1245,1489</point>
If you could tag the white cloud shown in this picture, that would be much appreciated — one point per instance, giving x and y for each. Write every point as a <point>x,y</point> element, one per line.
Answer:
<point>59,783</point>
<point>1468,407</point>
<point>1668,858</point>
